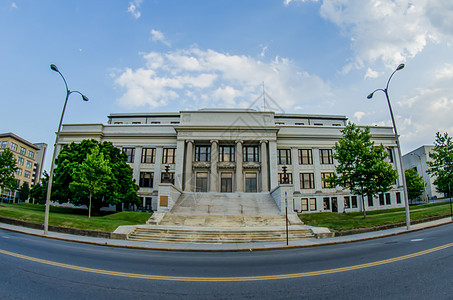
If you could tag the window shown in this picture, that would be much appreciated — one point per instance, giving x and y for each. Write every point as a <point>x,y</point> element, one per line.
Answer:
<point>325,156</point>
<point>117,123</point>
<point>4,144</point>
<point>312,204</point>
<point>130,152</point>
<point>20,161</point>
<point>22,150</point>
<point>13,146</point>
<point>27,174</point>
<point>381,199</point>
<point>304,204</point>
<point>284,156</point>
<point>202,153</point>
<point>305,157</point>
<point>326,203</point>
<point>325,184</point>
<point>370,200</point>
<point>170,174</point>
<point>226,182</point>
<point>136,122</point>
<point>19,172</point>
<point>175,122</point>
<point>317,124</point>
<point>307,180</point>
<point>354,201</point>
<point>251,183</point>
<point>201,182</point>
<point>31,154</point>
<point>29,164</point>
<point>169,156</point>
<point>279,123</point>
<point>398,197</point>
<point>336,124</point>
<point>250,154</point>
<point>388,201</point>
<point>390,152</point>
<point>290,178</point>
<point>226,153</point>
<point>299,124</point>
<point>347,202</point>
<point>146,179</point>
<point>148,155</point>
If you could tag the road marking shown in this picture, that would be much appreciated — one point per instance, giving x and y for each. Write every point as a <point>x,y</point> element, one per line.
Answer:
<point>417,240</point>
<point>225,279</point>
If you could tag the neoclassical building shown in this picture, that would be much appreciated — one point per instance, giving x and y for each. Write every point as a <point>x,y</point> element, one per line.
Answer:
<point>237,151</point>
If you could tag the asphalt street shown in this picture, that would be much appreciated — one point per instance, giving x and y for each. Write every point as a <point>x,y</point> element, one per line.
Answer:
<point>416,265</point>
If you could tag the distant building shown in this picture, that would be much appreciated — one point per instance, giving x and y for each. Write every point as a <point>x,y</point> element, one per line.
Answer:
<point>417,160</point>
<point>29,158</point>
<point>237,151</point>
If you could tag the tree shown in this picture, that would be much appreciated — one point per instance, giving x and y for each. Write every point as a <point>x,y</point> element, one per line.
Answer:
<point>361,168</point>
<point>92,177</point>
<point>24,191</point>
<point>121,187</point>
<point>38,192</point>
<point>7,169</point>
<point>415,184</point>
<point>441,165</point>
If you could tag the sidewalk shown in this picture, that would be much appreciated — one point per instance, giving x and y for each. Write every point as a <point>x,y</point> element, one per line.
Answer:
<point>225,247</point>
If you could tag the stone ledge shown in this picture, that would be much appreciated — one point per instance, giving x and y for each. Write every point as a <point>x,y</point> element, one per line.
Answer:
<point>67,230</point>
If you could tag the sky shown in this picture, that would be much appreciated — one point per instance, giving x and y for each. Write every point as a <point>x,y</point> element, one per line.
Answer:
<point>311,57</point>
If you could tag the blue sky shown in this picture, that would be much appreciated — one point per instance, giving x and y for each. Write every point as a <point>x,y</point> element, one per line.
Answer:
<point>314,56</point>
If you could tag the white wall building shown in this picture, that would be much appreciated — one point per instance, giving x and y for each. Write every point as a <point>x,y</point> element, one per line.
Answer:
<point>417,160</point>
<point>237,151</point>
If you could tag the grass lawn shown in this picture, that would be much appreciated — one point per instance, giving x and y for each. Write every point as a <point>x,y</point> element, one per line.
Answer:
<point>347,221</point>
<point>72,217</point>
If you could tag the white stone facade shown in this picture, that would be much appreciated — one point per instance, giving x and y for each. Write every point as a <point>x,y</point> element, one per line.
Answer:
<point>417,159</point>
<point>239,151</point>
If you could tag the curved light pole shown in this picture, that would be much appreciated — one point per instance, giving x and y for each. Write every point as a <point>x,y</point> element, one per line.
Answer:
<point>400,157</point>
<point>52,163</point>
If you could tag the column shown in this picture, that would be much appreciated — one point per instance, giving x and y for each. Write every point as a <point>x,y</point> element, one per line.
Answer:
<point>179,163</point>
<point>188,163</point>
<point>295,167</point>
<point>158,167</point>
<point>239,159</point>
<point>264,167</point>
<point>273,169</point>
<point>317,169</point>
<point>214,159</point>
<point>136,164</point>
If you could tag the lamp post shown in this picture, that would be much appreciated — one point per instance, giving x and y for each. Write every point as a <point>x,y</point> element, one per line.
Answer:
<point>406,203</point>
<point>52,163</point>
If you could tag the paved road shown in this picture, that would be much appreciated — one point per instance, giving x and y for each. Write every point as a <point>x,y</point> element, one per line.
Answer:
<point>415,265</point>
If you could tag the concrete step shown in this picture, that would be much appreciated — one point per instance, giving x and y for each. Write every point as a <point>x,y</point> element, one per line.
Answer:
<point>216,235</point>
<point>225,204</point>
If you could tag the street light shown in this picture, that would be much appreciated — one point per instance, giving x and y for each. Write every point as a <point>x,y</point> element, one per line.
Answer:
<point>408,218</point>
<point>52,163</point>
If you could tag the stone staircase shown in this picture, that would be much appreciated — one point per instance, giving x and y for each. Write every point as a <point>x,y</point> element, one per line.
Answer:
<point>222,218</point>
<point>206,235</point>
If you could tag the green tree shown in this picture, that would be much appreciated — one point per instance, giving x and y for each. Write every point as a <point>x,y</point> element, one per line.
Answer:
<point>24,191</point>
<point>415,184</point>
<point>38,192</point>
<point>7,168</point>
<point>441,165</point>
<point>361,168</point>
<point>92,177</point>
<point>121,188</point>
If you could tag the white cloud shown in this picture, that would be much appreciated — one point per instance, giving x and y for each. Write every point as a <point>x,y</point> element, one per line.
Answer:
<point>133,8</point>
<point>358,115</point>
<point>207,78</point>
<point>287,2</point>
<point>14,5</point>
<point>157,36</point>
<point>389,31</point>
<point>370,73</point>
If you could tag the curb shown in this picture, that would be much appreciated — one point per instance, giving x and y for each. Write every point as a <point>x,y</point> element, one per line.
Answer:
<point>244,249</point>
